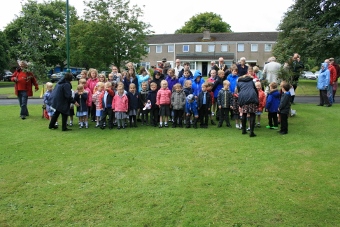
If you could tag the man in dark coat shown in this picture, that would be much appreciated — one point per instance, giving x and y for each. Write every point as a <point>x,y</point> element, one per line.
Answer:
<point>61,100</point>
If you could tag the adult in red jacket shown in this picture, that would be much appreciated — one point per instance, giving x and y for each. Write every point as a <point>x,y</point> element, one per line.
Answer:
<point>337,68</point>
<point>24,81</point>
<point>332,81</point>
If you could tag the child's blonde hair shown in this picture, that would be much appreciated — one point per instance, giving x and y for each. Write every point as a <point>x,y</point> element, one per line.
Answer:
<point>226,82</point>
<point>102,76</point>
<point>82,81</point>
<point>92,70</point>
<point>220,72</point>
<point>164,82</point>
<point>258,84</point>
<point>132,85</point>
<point>153,84</point>
<point>100,84</point>
<point>108,84</point>
<point>80,87</point>
<point>49,85</point>
<point>178,85</point>
<point>186,83</point>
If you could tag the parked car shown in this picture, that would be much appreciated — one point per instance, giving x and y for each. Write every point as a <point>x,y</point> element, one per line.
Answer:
<point>57,76</point>
<point>309,75</point>
<point>7,76</point>
<point>316,74</point>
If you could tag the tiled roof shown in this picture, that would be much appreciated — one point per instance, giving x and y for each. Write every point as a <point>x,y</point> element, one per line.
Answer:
<point>216,37</point>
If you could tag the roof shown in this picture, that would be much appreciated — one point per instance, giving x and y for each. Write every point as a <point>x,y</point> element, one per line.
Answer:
<point>215,37</point>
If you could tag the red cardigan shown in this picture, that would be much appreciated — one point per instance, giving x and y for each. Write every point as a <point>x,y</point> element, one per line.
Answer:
<point>25,81</point>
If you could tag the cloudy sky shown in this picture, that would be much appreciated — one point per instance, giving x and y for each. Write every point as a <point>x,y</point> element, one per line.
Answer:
<point>167,16</point>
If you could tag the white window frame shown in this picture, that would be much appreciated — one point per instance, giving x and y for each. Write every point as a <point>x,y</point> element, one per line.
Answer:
<point>226,47</point>
<point>254,47</point>
<point>239,45</point>
<point>147,49</point>
<point>146,65</point>
<point>266,47</point>
<point>184,47</point>
<point>170,51</point>
<point>211,48</point>
<point>198,48</point>
<point>159,46</point>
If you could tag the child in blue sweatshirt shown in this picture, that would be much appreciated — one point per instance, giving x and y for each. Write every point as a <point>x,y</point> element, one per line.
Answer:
<point>272,105</point>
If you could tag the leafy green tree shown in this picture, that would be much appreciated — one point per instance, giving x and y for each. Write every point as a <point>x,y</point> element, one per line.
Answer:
<point>38,34</point>
<point>4,53</point>
<point>112,32</point>
<point>310,28</point>
<point>204,21</point>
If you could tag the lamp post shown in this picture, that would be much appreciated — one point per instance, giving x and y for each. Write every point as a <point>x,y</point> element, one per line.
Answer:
<point>67,37</point>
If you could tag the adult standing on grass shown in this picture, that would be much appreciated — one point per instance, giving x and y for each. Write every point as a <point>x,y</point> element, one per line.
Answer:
<point>61,100</point>
<point>24,80</point>
<point>337,69</point>
<point>296,66</point>
<point>248,100</point>
<point>271,71</point>
<point>323,83</point>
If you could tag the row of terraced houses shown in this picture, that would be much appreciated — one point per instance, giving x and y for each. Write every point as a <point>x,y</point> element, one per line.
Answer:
<point>200,49</point>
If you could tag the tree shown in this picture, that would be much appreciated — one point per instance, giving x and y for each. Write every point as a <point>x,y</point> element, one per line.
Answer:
<point>38,34</point>
<point>111,32</point>
<point>310,28</point>
<point>4,53</point>
<point>204,21</point>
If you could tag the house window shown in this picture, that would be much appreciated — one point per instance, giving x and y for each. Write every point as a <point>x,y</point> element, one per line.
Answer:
<point>170,48</point>
<point>158,49</point>
<point>267,47</point>
<point>240,47</point>
<point>224,48</point>
<point>185,48</point>
<point>254,47</point>
<point>198,48</point>
<point>147,49</point>
<point>211,48</point>
<point>192,65</point>
<point>146,65</point>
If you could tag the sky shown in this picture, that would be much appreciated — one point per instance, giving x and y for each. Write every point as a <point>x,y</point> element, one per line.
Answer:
<point>166,17</point>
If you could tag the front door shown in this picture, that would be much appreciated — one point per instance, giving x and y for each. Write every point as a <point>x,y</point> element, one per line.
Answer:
<point>204,68</point>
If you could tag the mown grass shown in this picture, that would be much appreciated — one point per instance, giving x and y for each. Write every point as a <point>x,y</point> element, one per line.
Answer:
<point>148,176</point>
<point>305,88</point>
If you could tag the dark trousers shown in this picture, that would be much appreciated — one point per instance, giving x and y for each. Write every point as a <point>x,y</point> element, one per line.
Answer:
<point>251,122</point>
<point>203,115</point>
<point>224,115</point>
<point>145,116</point>
<point>284,123</point>
<point>178,115</point>
<point>293,96</point>
<point>272,117</point>
<point>55,118</point>
<point>107,112</point>
<point>93,112</point>
<point>154,116</point>
<point>323,97</point>
<point>22,97</point>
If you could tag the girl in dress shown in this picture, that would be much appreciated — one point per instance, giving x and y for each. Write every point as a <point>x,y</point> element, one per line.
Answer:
<point>163,100</point>
<point>133,104</point>
<point>81,98</point>
<point>120,106</point>
<point>95,99</point>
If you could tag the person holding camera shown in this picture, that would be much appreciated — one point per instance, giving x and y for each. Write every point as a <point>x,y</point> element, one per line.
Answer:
<point>24,80</point>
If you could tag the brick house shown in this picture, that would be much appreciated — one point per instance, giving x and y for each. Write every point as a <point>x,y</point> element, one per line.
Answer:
<point>200,49</point>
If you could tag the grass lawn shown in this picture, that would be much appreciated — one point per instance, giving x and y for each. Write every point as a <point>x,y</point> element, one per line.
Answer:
<point>148,176</point>
<point>305,88</point>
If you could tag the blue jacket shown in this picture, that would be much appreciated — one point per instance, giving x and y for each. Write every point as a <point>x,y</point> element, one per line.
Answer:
<point>273,101</point>
<point>324,77</point>
<point>171,82</point>
<point>218,84</point>
<point>233,82</point>
<point>183,79</point>
<point>191,107</point>
<point>197,86</point>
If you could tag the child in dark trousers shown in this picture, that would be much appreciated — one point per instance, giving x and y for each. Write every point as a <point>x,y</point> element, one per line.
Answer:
<point>105,102</point>
<point>284,107</point>
<point>224,102</point>
<point>133,104</point>
<point>152,95</point>
<point>204,105</point>
<point>177,103</point>
<point>272,105</point>
<point>142,102</point>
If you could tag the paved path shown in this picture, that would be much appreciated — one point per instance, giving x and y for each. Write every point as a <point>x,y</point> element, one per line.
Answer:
<point>298,99</point>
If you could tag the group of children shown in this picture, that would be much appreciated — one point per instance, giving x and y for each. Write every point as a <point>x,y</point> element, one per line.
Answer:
<point>184,101</point>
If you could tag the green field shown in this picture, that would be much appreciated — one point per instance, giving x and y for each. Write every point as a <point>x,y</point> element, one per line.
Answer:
<point>148,176</point>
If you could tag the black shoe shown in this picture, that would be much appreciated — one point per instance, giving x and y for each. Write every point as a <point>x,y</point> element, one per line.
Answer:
<point>67,129</point>
<point>319,105</point>
<point>329,105</point>
<point>118,127</point>
<point>23,117</point>
<point>54,127</point>
<point>229,125</point>
<point>219,125</point>
<point>244,132</point>
<point>212,122</point>
<point>102,127</point>
<point>283,133</point>
<point>252,134</point>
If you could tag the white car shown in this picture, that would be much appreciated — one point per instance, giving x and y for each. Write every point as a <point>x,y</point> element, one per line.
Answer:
<point>316,74</point>
<point>309,75</point>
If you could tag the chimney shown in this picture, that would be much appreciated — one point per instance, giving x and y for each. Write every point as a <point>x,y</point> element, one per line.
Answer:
<point>206,35</point>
